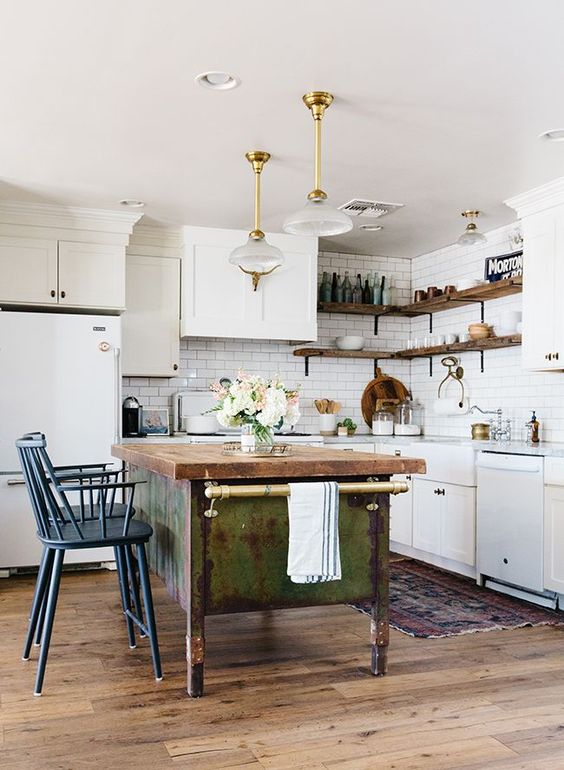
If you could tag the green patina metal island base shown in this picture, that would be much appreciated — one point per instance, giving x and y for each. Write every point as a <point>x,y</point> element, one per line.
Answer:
<point>237,561</point>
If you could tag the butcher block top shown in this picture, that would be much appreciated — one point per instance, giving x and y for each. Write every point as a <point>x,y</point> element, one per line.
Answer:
<point>207,461</point>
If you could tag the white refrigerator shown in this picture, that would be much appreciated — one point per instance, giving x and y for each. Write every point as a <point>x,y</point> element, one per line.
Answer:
<point>59,374</point>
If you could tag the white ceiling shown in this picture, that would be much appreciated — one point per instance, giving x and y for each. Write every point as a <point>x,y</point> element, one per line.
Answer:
<point>437,105</point>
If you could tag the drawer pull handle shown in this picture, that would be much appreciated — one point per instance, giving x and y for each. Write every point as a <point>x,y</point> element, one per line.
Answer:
<point>439,491</point>
<point>15,482</point>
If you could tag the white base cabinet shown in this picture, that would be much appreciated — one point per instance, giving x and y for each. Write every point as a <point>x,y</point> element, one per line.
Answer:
<point>151,323</point>
<point>554,538</point>
<point>444,520</point>
<point>218,298</point>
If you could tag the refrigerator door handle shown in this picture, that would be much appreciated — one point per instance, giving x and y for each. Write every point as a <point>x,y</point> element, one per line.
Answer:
<point>15,482</point>
<point>117,395</point>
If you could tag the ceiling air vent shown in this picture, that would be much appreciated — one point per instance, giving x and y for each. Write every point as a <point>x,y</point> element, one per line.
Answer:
<point>358,207</point>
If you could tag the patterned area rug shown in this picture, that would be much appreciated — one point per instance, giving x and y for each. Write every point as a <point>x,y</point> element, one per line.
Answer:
<point>431,603</point>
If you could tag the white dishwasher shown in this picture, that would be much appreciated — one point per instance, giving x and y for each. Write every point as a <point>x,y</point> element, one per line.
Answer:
<point>509,525</point>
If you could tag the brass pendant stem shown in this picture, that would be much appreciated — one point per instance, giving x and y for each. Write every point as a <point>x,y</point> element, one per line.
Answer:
<point>257,200</point>
<point>257,159</point>
<point>317,124</point>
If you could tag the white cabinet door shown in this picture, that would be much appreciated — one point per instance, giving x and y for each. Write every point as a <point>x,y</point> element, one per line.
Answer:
<point>218,299</point>
<point>150,324</point>
<point>401,513</point>
<point>554,538</point>
<point>538,298</point>
<point>427,507</point>
<point>458,523</point>
<point>91,275</point>
<point>28,271</point>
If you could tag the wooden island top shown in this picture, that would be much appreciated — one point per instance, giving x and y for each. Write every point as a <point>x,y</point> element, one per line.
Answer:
<point>207,461</point>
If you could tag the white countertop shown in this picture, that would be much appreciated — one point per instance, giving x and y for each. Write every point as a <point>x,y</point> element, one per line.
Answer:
<point>544,449</point>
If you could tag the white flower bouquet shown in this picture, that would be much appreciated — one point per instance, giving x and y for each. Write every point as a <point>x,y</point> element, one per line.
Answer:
<point>263,404</point>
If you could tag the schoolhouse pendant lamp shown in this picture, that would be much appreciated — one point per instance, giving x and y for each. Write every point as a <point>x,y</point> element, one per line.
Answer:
<point>471,235</point>
<point>257,257</point>
<point>318,217</point>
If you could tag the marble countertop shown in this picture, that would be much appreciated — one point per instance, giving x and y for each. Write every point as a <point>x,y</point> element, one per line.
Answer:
<point>544,449</point>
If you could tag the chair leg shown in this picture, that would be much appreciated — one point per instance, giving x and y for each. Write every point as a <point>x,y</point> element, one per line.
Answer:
<point>131,567</point>
<point>49,617</point>
<point>149,609</point>
<point>124,592</point>
<point>38,602</point>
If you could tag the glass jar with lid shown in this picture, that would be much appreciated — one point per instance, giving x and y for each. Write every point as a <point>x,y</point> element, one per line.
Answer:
<point>383,423</point>
<point>408,418</point>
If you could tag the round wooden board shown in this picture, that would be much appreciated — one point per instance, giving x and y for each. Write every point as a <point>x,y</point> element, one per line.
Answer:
<point>380,392</point>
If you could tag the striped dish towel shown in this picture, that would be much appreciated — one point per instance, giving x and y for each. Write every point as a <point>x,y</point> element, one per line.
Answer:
<point>313,548</point>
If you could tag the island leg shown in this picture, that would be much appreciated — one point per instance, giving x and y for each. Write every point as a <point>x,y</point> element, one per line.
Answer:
<point>379,528</point>
<point>195,574</point>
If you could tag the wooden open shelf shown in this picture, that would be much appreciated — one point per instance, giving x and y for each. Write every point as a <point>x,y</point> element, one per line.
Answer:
<point>481,293</point>
<point>350,307</point>
<point>490,343</point>
<point>479,346</point>
<point>335,353</point>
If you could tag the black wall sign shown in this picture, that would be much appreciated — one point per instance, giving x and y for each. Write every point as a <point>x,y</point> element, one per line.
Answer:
<point>504,266</point>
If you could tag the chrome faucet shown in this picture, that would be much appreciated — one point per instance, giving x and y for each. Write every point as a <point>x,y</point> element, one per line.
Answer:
<point>497,430</point>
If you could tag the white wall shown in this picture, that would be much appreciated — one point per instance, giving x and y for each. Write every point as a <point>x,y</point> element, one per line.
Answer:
<point>503,382</point>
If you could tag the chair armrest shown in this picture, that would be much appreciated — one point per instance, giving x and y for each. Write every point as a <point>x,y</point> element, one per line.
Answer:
<point>80,466</point>
<point>71,476</point>
<point>118,485</point>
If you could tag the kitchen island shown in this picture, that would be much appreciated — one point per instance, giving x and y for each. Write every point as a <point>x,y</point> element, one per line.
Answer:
<point>229,554</point>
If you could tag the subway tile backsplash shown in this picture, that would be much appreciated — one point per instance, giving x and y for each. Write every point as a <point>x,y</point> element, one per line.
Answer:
<point>503,383</point>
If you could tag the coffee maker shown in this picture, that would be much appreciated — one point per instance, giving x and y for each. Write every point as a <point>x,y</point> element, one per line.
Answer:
<point>132,418</point>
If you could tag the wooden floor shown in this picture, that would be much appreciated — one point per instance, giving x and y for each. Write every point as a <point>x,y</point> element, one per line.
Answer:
<point>284,690</point>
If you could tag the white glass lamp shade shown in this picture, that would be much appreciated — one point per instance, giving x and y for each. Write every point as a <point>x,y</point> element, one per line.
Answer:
<point>471,236</point>
<point>257,256</point>
<point>318,218</point>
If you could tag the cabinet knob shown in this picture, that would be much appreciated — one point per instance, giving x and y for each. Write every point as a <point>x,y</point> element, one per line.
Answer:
<point>63,294</point>
<point>555,356</point>
<point>549,356</point>
<point>53,293</point>
<point>175,367</point>
<point>397,452</point>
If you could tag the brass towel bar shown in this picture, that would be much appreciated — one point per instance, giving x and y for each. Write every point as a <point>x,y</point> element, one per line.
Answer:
<point>216,491</point>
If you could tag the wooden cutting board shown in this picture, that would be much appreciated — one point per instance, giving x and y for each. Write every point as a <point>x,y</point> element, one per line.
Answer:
<point>383,392</point>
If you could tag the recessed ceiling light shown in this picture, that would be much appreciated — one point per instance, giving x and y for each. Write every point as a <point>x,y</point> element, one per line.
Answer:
<point>371,228</point>
<point>217,81</point>
<point>554,135</point>
<point>132,203</point>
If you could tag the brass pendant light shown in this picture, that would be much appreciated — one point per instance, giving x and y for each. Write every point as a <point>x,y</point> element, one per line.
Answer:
<point>471,235</point>
<point>318,217</point>
<point>257,257</point>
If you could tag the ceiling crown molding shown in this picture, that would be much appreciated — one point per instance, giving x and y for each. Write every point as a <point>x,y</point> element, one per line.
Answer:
<point>69,217</point>
<point>539,199</point>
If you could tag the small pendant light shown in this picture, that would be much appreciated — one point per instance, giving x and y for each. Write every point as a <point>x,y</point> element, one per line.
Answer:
<point>318,217</point>
<point>471,235</point>
<point>257,257</point>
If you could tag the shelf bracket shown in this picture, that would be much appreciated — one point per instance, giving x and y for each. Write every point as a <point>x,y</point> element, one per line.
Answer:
<point>306,365</point>
<point>430,323</point>
<point>430,366</point>
<point>482,354</point>
<point>475,301</point>
<point>375,368</point>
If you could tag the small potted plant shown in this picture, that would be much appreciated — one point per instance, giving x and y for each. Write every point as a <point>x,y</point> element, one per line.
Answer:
<point>346,427</point>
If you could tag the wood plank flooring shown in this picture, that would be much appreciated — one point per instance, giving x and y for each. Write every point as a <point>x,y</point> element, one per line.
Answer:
<point>283,690</point>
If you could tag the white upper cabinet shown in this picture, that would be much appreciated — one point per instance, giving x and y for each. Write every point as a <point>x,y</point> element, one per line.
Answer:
<point>218,299</point>
<point>542,219</point>
<point>151,322</point>
<point>91,275</point>
<point>63,257</point>
<point>28,271</point>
